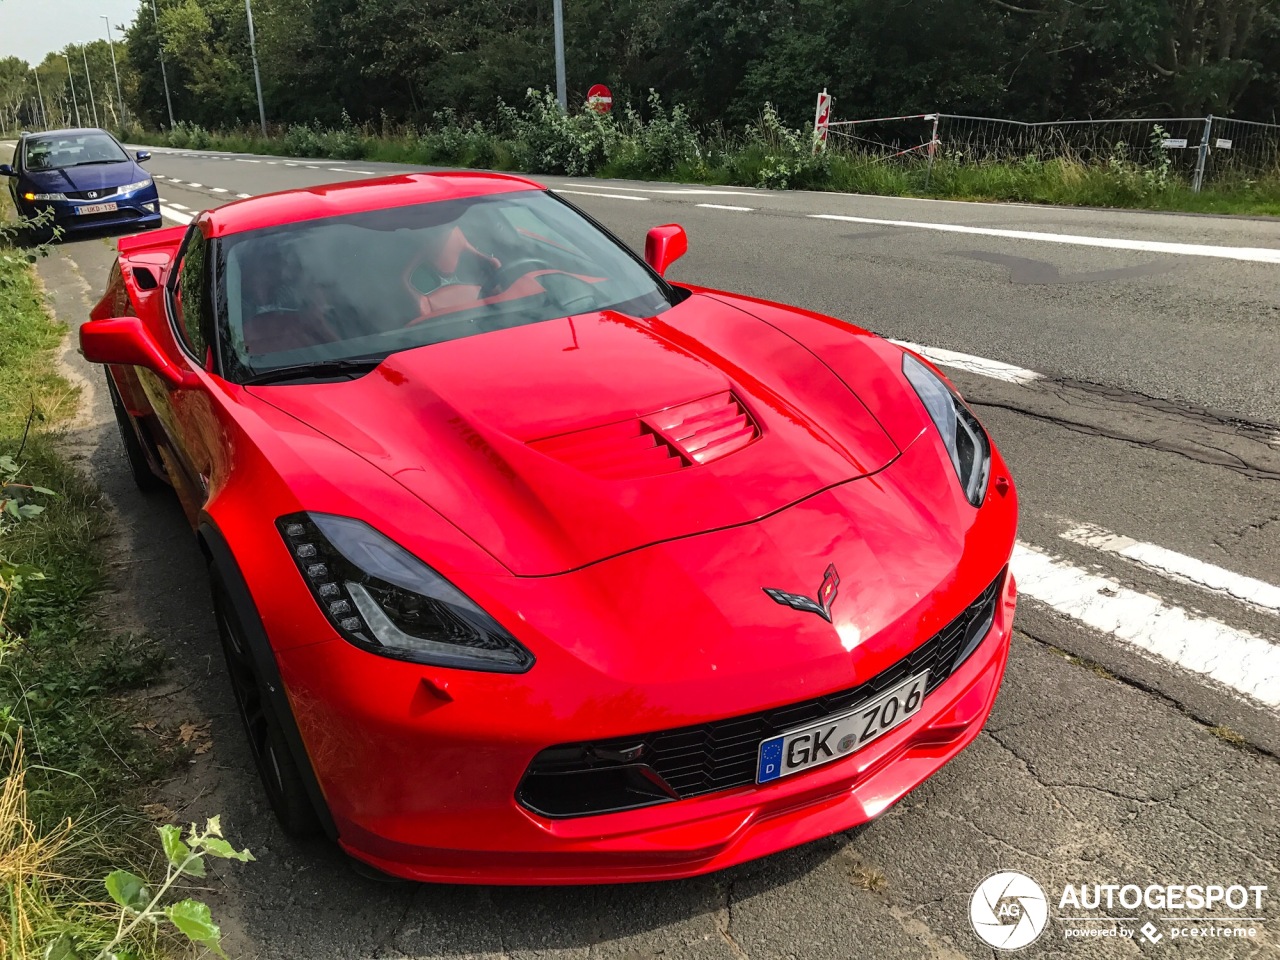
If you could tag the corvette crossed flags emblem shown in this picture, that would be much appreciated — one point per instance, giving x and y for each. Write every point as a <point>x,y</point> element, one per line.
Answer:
<point>798,601</point>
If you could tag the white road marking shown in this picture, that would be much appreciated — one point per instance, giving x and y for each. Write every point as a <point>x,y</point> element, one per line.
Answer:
<point>1178,566</point>
<point>177,216</point>
<point>682,191</point>
<point>724,206</point>
<point>219,189</point>
<point>244,196</point>
<point>192,183</point>
<point>174,180</point>
<point>339,170</point>
<point>246,160</point>
<point>607,196</point>
<point>1242,661</point>
<point>274,163</point>
<point>367,173</point>
<point>311,167</point>
<point>157,176</point>
<point>1254,254</point>
<point>179,206</point>
<point>980,365</point>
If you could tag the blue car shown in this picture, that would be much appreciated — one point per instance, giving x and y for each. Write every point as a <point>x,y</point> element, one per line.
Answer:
<point>85,177</point>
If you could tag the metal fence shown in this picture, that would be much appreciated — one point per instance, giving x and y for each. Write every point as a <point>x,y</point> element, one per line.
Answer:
<point>1200,149</point>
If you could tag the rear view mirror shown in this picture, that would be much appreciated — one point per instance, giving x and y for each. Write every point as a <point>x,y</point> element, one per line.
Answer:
<point>143,156</point>
<point>664,246</point>
<point>6,170</point>
<point>124,341</point>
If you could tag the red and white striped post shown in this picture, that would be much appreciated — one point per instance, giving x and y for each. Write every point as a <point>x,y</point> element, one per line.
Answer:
<point>821,121</point>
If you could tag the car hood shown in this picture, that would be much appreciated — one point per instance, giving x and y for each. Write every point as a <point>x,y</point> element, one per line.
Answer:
<point>562,443</point>
<point>91,176</point>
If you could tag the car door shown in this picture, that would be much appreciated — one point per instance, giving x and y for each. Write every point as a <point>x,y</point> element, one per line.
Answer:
<point>186,412</point>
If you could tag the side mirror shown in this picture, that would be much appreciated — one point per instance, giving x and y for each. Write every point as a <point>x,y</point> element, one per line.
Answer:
<point>143,156</point>
<point>125,341</point>
<point>664,246</point>
<point>6,170</point>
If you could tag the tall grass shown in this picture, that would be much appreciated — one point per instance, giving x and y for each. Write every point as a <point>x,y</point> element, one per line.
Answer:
<point>658,142</point>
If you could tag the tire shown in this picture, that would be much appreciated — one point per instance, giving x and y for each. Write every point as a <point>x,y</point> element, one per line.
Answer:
<point>144,478</point>
<point>285,788</point>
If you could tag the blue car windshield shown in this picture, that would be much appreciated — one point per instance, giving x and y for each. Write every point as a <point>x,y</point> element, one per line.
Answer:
<point>58,151</point>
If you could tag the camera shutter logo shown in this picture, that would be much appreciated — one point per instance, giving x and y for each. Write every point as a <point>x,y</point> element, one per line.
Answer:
<point>1008,910</point>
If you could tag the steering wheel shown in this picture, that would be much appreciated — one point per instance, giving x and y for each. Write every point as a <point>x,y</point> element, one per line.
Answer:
<point>509,273</point>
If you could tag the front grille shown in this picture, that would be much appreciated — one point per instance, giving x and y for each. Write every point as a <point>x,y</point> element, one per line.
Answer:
<point>604,776</point>
<point>100,194</point>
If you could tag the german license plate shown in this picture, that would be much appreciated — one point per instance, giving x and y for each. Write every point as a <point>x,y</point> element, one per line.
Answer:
<point>839,736</point>
<point>97,208</point>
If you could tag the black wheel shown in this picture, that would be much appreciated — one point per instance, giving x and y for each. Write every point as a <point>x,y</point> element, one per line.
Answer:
<point>143,476</point>
<point>286,790</point>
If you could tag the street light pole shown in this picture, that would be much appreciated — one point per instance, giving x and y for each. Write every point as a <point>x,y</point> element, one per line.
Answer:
<point>164,74</point>
<point>561,95</point>
<point>116,70</point>
<point>257,77</point>
<point>72,80</point>
<point>40,93</point>
<point>84,52</point>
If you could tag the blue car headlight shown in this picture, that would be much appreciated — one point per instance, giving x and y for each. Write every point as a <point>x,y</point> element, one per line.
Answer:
<point>131,187</point>
<point>966,442</point>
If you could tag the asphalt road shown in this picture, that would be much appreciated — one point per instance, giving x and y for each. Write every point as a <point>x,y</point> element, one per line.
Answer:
<point>1137,735</point>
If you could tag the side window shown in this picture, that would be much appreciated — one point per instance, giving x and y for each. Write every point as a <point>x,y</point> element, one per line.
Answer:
<point>190,299</point>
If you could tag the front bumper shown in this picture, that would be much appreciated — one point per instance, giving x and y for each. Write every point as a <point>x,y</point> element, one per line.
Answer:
<point>431,796</point>
<point>137,210</point>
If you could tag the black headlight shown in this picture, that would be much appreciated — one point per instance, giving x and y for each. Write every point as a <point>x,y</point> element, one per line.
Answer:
<point>965,440</point>
<point>383,599</point>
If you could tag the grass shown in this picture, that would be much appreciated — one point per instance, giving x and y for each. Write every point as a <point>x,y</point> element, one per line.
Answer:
<point>666,146</point>
<point>74,767</point>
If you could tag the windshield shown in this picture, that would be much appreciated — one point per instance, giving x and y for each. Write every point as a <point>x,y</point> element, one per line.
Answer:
<point>367,285</point>
<point>72,150</point>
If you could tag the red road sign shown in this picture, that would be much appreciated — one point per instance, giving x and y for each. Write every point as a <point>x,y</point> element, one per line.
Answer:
<point>599,98</point>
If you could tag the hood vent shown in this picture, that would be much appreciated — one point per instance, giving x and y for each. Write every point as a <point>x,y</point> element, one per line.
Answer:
<point>657,443</point>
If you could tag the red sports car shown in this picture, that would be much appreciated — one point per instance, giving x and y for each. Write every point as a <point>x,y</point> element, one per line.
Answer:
<point>532,566</point>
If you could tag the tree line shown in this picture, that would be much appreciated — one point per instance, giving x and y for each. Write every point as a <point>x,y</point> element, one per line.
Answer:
<point>334,62</point>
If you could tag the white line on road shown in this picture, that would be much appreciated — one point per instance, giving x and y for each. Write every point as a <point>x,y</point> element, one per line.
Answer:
<point>177,216</point>
<point>367,173</point>
<point>607,196</point>
<point>192,183</point>
<point>219,189</point>
<point>980,365</point>
<point>311,166</point>
<point>244,196</point>
<point>179,206</point>
<point>724,206</point>
<point>682,191</point>
<point>174,180</point>
<point>1255,254</point>
<point>1246,663</point>
<point>1178,566</point>
<point>247,160</point>
<point>339,170</point>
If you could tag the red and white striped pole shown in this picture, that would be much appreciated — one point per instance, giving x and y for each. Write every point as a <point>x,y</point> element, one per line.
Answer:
<point>821,121</point>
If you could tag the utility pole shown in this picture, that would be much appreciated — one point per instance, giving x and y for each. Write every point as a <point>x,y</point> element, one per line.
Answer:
<point>72,80</point>
<point>561,94</point>
<point>257,77</point>
<point>116,70</point>
<point>40,93</point>
<point>84,52</point>
<point>164,74</point>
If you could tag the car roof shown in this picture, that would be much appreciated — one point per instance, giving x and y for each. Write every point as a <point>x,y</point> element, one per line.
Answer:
<point>354,196</point>
<point>68,132</point>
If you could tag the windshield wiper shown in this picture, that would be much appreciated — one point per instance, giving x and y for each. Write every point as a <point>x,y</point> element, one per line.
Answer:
<point>92,163</point>
<point>316,370</point>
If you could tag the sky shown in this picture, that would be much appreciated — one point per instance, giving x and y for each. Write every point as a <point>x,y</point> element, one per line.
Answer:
<point>31,28</point>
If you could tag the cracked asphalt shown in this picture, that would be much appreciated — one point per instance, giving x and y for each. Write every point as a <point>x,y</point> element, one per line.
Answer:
<point>1099,765</point>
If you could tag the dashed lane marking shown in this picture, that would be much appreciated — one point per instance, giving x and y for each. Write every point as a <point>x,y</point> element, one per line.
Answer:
<point>724,206</point>
<point>177,216</point>
<point>1178,566</point>
<point>219,189</point>
<point>995,369</point>
<point>680,191</point>
<point>179,206</point>
<point>1246,663</point>
<point>191,183</point>
<point>606,196</point>
<point>1254,254</point>
<point>244,196</point>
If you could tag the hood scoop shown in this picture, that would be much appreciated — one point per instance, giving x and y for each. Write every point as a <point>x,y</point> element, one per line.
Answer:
<point>670,439</point>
